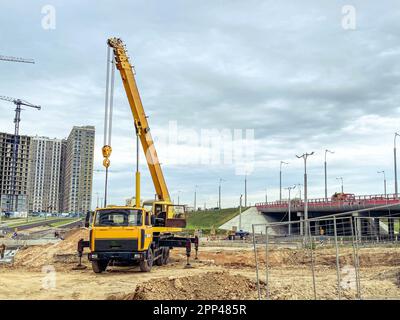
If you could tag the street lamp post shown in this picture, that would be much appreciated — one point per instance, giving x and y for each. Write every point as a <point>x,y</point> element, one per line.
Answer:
<point>289,209</point>
<point>280,179</point>
<point>195,197</point>
<point>395,165</point>
<point>240,213</point>
<point>299,185</point>
<point>245,190</point>
<point>341,179</point>
<point>219,193</point>
<point>326,175</point>
<point>305,156</point>
<point>266,195</point>
<point>384,181</point>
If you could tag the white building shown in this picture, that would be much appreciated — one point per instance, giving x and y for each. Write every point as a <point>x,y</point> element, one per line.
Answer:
<point>45,174</point>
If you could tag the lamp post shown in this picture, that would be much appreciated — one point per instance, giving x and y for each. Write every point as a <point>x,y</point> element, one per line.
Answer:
<point>326,175</point>
<point>179,192</point>
<point>395,165</point>
<point>219,193</point>
<point>384,181</point>
<point>245,190</point>
<point>240,213</point>
<point>299,185</point>
<point>305,156</point>
<point>289,209</point>
<point>195,197</point>
<point>266,195</point>
<point>280,179</point>
<point>341,179</point>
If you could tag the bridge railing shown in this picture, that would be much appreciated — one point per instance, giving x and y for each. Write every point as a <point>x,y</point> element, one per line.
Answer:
<point>376,199</point>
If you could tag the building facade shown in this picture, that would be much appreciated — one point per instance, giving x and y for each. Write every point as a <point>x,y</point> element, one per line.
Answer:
<point>18,200</point>
<point>45,174</point>
<point>78,176</point>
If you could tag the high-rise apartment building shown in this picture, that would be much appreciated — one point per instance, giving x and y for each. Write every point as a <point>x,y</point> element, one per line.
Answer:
<point>10,200</point>
<point>78,175</point>
<point>45,174</point>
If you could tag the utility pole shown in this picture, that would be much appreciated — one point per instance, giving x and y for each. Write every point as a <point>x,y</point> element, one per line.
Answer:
<point>305,156</point>
<point>219,193</point>
<point>299,185</point>
<point>280,179</point>
<point>384,181</point>
<point>245,191</point>
<point>326,175</point>
<point>289,209</point>
<point>266,195</point>
<point>341,179</point>
<point>240,213</point>
<point>395,166</point>
<point>195,197</point>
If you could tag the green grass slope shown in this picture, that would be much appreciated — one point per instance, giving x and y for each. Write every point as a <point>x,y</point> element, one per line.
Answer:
<point>207,219</point>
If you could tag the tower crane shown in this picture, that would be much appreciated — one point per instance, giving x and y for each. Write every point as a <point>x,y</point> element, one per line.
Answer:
<point>17,120</point>
<point>15,59</point>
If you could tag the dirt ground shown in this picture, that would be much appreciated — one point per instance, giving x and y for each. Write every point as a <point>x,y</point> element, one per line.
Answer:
<point>46,272</point>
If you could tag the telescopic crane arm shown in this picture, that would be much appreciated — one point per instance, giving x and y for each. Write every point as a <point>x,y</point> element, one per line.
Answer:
<point>141,124</point>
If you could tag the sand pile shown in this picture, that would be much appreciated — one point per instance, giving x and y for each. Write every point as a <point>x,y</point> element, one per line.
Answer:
<point>207,286</point>
<point>61,252</point>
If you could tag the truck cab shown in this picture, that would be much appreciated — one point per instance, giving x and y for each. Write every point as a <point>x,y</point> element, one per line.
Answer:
<point>119,234</point>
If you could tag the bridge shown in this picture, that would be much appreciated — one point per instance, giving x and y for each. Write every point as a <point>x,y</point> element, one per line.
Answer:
<point>369,210</point>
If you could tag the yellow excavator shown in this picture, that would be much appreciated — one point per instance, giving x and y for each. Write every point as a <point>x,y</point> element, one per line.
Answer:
<point>140,234</point>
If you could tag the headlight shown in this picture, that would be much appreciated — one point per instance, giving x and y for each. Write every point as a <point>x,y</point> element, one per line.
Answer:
<point>137,256</point>
<point>94,256</point>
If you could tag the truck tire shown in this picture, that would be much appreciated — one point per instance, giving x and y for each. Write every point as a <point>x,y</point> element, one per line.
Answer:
<point>99,266</point>
<point>160,259</point>
<point>165,258</point>
<point>146,264</point>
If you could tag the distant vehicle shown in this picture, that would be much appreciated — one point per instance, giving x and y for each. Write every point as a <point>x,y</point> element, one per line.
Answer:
<point>338,196</point>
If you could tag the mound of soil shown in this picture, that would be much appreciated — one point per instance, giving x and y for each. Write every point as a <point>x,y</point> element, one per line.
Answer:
<point>61,252</point>
<point>207,286</point>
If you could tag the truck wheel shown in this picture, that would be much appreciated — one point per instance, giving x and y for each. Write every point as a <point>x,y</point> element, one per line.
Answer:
<point>165,258</point>
<point>145,265</point>
<point>99,266</point>
<point>160,259</point>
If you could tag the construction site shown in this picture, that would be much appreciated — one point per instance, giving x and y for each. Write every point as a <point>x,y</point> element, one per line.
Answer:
<point>135,242</point>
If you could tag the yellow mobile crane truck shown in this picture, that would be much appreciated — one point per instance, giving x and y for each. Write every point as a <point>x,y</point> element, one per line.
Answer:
<point>140,234</point>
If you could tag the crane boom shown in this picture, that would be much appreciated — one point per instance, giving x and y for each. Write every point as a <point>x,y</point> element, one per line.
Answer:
<point>15,59</point>
<point>141,124</point>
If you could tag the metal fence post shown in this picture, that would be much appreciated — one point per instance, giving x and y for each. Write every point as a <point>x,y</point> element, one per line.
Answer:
<point>337,258</point>
<point>256,261</point>
<point>308,230</point>
<point>266,263</point>
<point>355,257</point>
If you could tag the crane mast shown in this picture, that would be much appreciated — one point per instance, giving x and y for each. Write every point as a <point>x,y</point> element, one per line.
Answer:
<point>141,123</point>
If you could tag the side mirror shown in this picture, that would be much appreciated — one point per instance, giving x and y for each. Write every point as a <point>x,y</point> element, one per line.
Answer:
<point>87,219</point>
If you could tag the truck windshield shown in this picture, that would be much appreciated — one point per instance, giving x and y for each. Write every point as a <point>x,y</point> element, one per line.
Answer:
<point>118,217</point>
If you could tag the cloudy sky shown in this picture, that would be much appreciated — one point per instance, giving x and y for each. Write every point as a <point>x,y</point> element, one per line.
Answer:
<point>298,74</point>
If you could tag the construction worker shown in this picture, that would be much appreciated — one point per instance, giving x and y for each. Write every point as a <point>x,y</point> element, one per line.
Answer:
<point>2,250</point>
